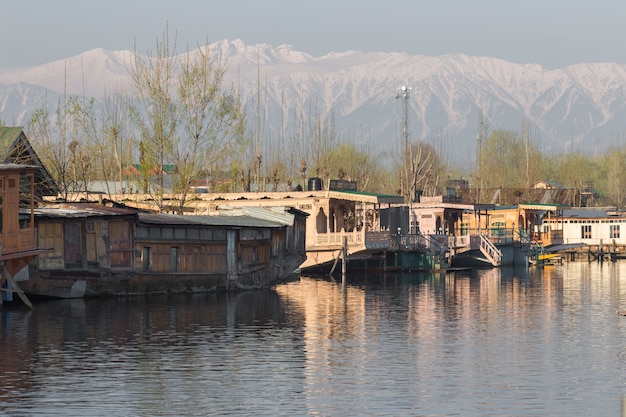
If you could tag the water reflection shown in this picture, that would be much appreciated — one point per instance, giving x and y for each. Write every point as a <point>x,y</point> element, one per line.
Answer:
<point>490,342</point>
<point>145,355</point>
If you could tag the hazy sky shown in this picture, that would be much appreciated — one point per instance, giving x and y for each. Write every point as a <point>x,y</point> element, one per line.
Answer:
<point>553,33</point>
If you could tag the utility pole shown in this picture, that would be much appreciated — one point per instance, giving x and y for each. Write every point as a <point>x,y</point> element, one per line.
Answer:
<point>408,182</point>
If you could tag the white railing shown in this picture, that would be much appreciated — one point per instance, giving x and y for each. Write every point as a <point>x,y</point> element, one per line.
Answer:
<point>336,239</point>
<point>463,241</point>
<point>493,254</point>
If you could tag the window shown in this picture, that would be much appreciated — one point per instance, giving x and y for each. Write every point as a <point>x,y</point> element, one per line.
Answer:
<point>585,231</point>
<point>24,220</point>
<point>145,258</point>
<point>615,231</point>
<point>174,259</point>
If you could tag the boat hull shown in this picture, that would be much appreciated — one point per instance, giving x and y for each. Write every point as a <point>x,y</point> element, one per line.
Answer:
<point>84,284</point>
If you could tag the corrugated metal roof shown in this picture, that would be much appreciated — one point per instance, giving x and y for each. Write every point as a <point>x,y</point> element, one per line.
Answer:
<point>245,217</point>
<point>237,221</point>
<point>276,214</point>
<point>81,211</point>
<point>210,220</point>
<point>593,213</point>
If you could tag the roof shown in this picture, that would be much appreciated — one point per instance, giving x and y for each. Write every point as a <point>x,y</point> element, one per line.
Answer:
<point>511,196</point>
<point>453,206</point>
<point>81,210</point>
<point>357,196</point>
<point>238,221</point>
<point>15,148</point>
<point>543,207</point>
<point>272,214</point>
<point>363,197</point>
<point>8,137</point>
<point>207,220</point>
<point>18,166</point>
<point>593,213</point>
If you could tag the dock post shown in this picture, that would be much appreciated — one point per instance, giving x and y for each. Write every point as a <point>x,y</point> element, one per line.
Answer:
<point>385,260</point>
<point>344,260</point>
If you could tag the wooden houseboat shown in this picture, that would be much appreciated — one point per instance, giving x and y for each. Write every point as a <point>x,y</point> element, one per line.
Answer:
<point>17,226</point>
<point>106,250</point>
<point>334,216</point>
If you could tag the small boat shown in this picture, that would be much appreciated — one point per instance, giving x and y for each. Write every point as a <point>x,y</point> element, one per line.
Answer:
<point>546,259</point>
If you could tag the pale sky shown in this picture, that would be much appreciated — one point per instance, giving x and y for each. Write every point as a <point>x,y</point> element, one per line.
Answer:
<point>552,33</point>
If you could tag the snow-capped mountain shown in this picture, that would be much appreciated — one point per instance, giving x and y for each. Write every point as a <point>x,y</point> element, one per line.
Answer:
<point>581,107</point>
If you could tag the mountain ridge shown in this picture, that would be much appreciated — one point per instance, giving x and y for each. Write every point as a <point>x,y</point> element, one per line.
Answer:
<point>578,107</point>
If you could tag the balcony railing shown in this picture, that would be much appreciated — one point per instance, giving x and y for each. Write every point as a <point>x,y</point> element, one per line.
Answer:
<point>367,240</point>
<point>336,239</point>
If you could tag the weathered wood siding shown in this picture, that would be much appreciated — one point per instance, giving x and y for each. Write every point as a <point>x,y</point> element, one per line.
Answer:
<point>120,241</point>
<point>9,205</point>
<point>203,258</point>
<point>50,236</point>
<point>191,249</point>
<point>85,243</point>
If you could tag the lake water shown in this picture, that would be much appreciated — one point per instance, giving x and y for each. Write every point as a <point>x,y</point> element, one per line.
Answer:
<point>498,342</point>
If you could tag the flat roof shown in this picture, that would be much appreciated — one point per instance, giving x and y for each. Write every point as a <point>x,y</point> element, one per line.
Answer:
<point>285,197</point>
<point>207,220</point>
<point>363,197</point>
<point>543,207</point>
<point>454,206</point>
<point>81,210</point>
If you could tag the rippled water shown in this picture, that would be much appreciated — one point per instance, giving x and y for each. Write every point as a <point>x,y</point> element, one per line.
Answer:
<point>497,342</point>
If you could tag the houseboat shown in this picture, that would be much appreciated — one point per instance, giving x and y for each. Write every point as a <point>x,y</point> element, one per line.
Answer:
<point>591,233</point>
<point>105,250</point>
<point>336,218</point>
<point>486,235</point>
<point>17,227</point>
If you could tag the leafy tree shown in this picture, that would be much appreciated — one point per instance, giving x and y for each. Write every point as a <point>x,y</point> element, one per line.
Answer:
<point>346,162</point>
<point>507,160</point>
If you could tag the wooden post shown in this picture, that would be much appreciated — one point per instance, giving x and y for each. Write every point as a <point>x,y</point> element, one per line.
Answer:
<point>385,260</point>
<point>344,260</point>
<point>14,285</point>
<point>332,270</point>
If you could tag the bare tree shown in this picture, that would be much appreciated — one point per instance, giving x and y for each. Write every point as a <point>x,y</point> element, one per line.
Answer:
<point>155,112</point>
<point>210,117</point>
<point>62,146</point>
<point>323,137</point>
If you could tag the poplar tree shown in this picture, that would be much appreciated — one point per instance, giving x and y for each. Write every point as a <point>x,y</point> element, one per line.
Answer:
<point>186,121</point>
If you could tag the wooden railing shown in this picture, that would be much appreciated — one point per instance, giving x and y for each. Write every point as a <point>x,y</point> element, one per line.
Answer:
<point>368,240</point>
